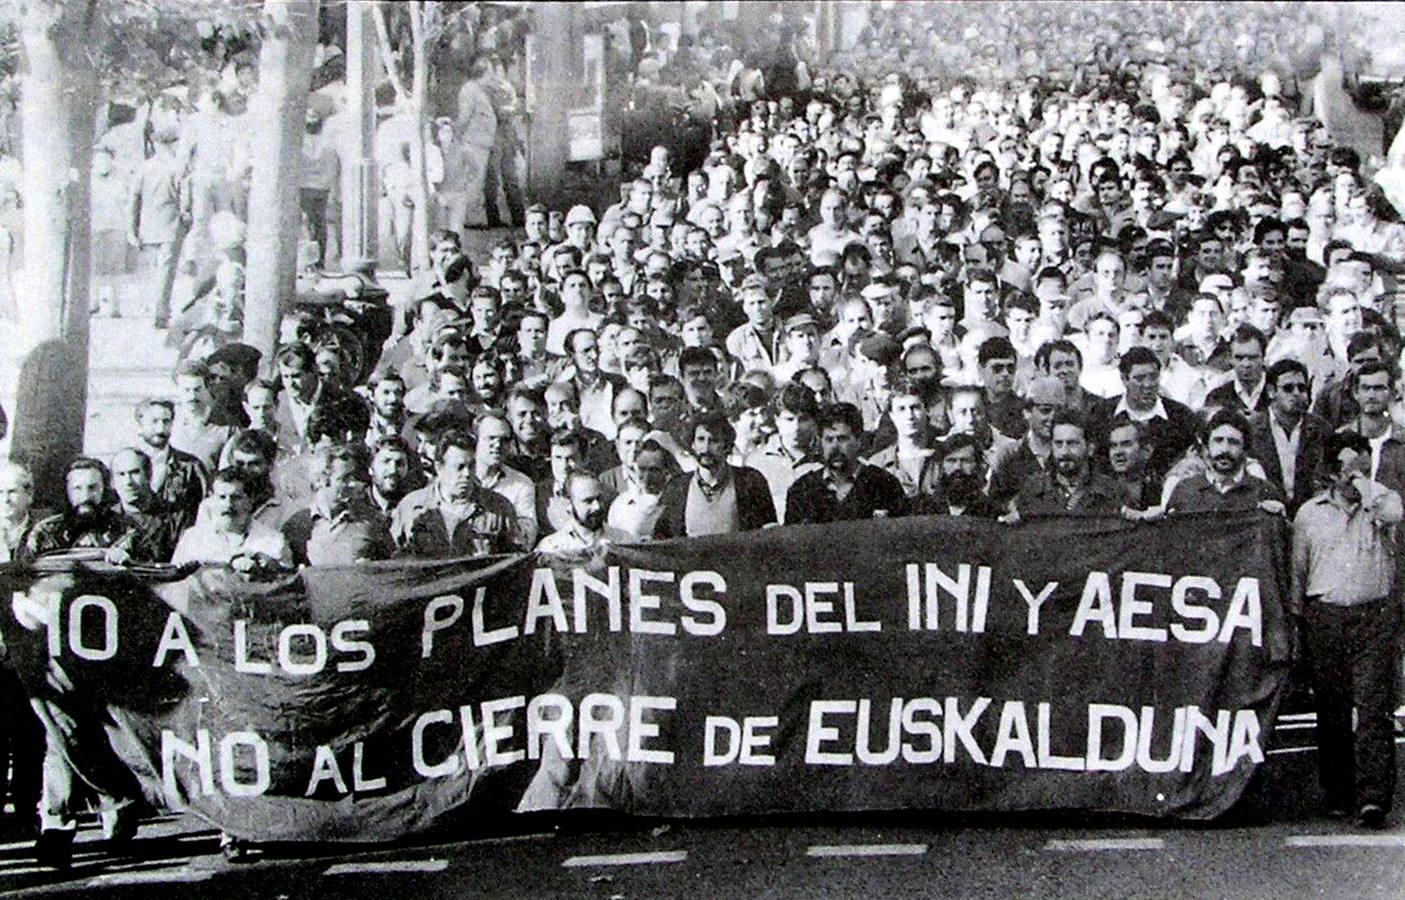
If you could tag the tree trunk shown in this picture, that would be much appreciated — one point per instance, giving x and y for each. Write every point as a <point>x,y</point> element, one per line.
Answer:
<point>277,114</point>
<point>49,345</point>
<point>419,92</point>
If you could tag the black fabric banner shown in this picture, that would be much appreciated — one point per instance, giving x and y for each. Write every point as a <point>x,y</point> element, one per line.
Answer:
<point>932,663</point>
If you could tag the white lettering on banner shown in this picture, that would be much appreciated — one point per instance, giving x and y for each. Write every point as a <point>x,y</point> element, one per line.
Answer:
<point>1193,621</point>
<point>744,740</point>
<point>318,643</point>
<point>582,582</point>
<point>556,727</point>
<point>639,730</point>
<point>1117,738</point>
<point>242,663</point>
<point>439,613</point>
<point>343,642</point>
<point>229,770</point>
<point>714,612</point>
<point>325,768</point>
<point>109,628</point>
<point>640,600</point>
<point>198,753</point>
<point>1034,602</point>
<point>969,601</point>
<point>494,734</point>
<point>544,602</point>
<point>359,782</point>
<point>449,765</point>
<point>482,635</point>
<point>174,636</point>
<point>813,608</point>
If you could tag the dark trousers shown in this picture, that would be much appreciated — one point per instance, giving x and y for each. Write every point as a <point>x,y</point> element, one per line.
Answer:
<point>1352,656</point>
<point>21,747</point>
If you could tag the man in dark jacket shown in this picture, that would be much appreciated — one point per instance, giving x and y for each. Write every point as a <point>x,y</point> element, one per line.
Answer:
<point>717,498</point>
<point>1286,439</point>
<point>845,488</point>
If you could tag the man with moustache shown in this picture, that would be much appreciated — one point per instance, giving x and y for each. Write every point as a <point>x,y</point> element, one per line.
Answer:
<point>844,489</point>
<point>89,521</point>
<point>392,473</point>
<point>962,477</point>
<point>1224,484</point>
<point>177,477</point>
<point>588,529</point>
<point>75,747</point>
<point>716,498</point>
<point>1070,484</point>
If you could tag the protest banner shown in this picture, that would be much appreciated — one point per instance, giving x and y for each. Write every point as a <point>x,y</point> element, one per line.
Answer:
<point>922,663</point>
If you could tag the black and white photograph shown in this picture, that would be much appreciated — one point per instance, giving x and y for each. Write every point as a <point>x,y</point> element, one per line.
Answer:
<point>702,449</point>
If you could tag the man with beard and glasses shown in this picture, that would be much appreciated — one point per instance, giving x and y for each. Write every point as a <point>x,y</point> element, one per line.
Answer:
<point>1070,484</point>
<point>960,488</point>
<point>716,498</point>
<point>844,489</point>
<point>1225,485</point>
<point>89,521</point>
<point>177,477</point>
<point>588,529</point>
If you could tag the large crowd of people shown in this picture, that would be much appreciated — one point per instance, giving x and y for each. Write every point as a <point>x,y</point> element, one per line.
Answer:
<point>931,278</point>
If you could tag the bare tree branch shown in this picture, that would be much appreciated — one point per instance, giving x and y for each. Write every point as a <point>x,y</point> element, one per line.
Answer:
<point>387,57</point>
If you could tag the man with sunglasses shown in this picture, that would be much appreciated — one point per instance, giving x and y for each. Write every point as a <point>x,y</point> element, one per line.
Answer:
<point>1286,438</point>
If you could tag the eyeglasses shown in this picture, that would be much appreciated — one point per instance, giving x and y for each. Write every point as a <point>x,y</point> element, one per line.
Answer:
<point>1293,388</point>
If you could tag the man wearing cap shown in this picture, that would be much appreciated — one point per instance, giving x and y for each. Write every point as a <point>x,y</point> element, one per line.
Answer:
<point>800,346</point>
<point>869,375</point>
<point>1014,463</point>
<point>580,228</point>
<point>754,345</point>
<point>882,295</point>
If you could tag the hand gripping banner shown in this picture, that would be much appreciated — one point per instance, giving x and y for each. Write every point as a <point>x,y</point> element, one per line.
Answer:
<point>922,663</point>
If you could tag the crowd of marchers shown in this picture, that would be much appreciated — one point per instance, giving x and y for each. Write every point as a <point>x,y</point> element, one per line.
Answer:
<point>1133,291</point>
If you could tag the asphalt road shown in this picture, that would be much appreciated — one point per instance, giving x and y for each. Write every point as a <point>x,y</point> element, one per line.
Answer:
<point>1273,845</point>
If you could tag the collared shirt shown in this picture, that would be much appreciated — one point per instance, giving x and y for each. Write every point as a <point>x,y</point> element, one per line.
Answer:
<point>635,513</point>
<point>780,469</point>
<point>1343,554</point>
<point>1156,412</point>
<point>1044,493</point>
<point>1285,443</point>
<point>517,489</point>
<point>1250,399</point>
<point>356,533</point>
<point>427,525</point>
<point>752,349</point>
<point>12,535</point>
<point>907,469</point>
<point>576,539</point>
<point>204,543</point>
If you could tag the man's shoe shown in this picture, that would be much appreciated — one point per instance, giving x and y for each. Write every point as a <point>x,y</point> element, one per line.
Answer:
<point>119,825</point>
<point>236,851</point>
<point>54,848</point>
<point>1370,816</point>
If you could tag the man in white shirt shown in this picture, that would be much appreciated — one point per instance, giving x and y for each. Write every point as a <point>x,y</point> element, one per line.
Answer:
<point>588,531</point>
<point>636,510</point>
<point>228,533</point>
<point>494,435</point>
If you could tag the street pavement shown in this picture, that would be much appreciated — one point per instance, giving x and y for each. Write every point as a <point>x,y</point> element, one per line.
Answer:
<point>1273,845</point>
